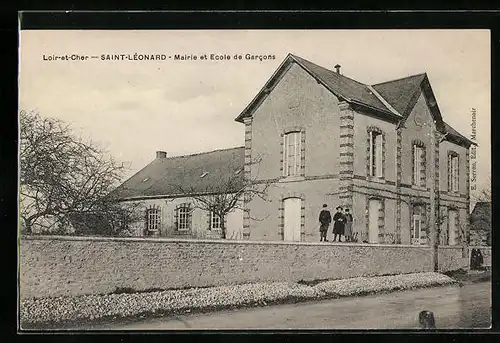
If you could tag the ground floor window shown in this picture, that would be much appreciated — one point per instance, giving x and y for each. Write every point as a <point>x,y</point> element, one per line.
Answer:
<point>153,220</point>
<point>418,231</point>
<point>183,217</point>
<point>215,222</point>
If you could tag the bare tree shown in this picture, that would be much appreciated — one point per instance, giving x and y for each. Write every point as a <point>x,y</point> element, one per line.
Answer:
<point>60,174</point>
<point>108,218</point>
<point>228,193</point>
<point>484,194</point>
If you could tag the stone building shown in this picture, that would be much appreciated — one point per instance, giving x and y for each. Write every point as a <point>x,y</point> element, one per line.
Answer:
<point>383,150</point>
<point>164,191</point>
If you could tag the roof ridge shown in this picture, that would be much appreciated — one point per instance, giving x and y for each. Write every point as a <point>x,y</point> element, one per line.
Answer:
<point>399,79</point>
<point>205,152</point>
<point>338,74</point>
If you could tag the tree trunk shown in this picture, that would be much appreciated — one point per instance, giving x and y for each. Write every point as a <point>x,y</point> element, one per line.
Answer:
<point>222,228</point>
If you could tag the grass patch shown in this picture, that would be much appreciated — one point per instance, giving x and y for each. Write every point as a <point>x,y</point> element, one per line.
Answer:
<point>464,276</point>
<point>77,324</point>
<point>113,320</point>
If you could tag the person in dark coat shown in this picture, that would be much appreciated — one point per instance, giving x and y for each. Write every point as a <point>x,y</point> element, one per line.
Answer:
<point>325,218</point>
<point>338,224</point>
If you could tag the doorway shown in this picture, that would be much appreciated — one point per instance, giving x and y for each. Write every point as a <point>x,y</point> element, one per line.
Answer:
<point>452,227</point>
<point>374,207</point>
<point>292,214</point>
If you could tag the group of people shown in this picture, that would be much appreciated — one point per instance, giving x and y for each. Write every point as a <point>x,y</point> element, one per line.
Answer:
<point>342,224</point>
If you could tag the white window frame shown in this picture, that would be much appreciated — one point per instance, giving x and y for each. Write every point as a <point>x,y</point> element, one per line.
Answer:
<point>295,160</point>
<point>215,222</point>
<point>153,220</point>
<point>417,219</point>
<point>376,154</point>
<point>184,217</point>
<point>418,222</point>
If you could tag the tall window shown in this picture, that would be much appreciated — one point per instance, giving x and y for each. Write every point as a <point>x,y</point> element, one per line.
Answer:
<point>183,217</point>
<point>153,219</point>
<point>418,165</point>
<point>292,153</point>
<point>453,172</point>
<point>376,154</point>
<point>214,221</point>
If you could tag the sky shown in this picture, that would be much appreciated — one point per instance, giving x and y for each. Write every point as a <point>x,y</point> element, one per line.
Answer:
<point>135,107</point>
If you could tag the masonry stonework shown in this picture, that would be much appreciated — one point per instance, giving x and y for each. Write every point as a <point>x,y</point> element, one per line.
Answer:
<point>346,154</point>
<point>63,266</point>
<point>314,112</point>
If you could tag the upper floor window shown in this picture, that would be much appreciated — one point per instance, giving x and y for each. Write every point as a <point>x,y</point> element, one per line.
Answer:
<point>292,153</point>
<point>215,223</point>
<point>418,164</point>
<point>153,219</point>
<point>453,172</point>
<point>376,153</point>
<point>183,214</point>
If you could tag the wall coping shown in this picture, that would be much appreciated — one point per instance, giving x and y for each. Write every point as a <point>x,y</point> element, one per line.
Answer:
<point>211,241</point>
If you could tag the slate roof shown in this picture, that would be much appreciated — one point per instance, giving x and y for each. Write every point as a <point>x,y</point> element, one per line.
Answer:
<point>398,94</point>
<point>455,134</point>
<point>342,85</point>
<point>164,176</point>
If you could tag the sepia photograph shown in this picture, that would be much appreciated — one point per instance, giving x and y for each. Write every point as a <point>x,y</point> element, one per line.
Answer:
<point>254,179</point>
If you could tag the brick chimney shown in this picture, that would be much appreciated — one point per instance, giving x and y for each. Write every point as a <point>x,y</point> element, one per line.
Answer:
<point>161,154</point>
<point>337,68</point>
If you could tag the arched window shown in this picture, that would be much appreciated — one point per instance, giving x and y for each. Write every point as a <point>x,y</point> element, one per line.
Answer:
<point>419,163</point>
<point>292,153</point>
<point>183,217</point>
<point>376,152</point>
<point>153,219</point>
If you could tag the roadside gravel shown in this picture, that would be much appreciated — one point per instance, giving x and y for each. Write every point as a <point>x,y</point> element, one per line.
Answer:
<point>50,311</point>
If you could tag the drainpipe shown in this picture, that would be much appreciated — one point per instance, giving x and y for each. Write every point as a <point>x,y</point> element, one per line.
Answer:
<point>432,221</point>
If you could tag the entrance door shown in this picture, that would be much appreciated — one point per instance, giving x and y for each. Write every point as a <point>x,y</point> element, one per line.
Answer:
<point>452,227</point>
<point>292,208</point>
<point>374,207</point>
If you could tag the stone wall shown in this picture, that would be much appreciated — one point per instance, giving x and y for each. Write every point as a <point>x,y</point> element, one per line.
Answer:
<point>451,258</point>
<point>57,266</point>
<point>454,257</point>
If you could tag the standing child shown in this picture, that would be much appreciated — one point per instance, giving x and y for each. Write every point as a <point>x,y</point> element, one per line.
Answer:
<point>348,226</point>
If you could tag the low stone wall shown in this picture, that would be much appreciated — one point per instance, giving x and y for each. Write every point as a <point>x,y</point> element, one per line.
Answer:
<point>452,258</point>
<point>57,266</point>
